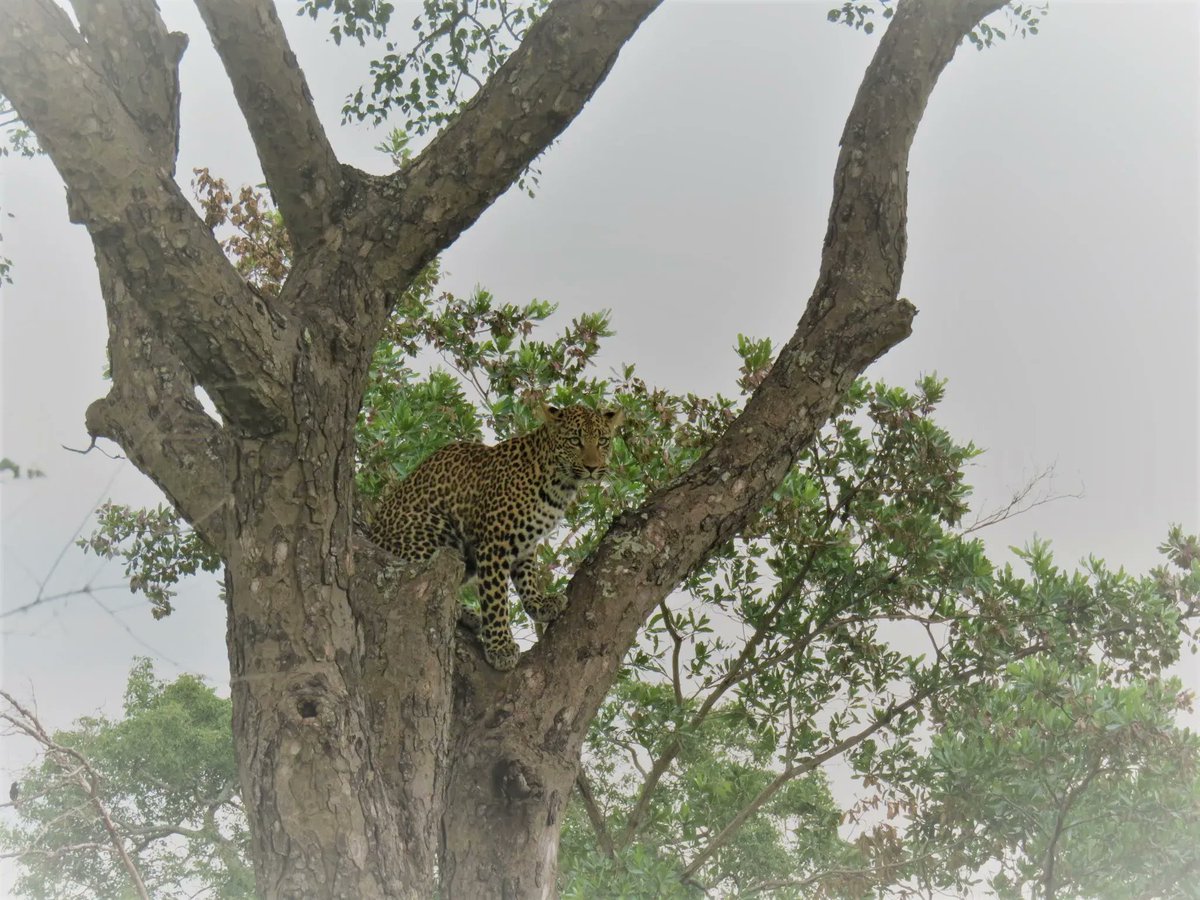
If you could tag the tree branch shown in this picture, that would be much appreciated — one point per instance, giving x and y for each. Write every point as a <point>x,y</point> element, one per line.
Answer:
<point>852,318</point>
<point>521,110</point>
<point>139,220</point>
<point>140,60</point>
<point>153,413</point>
<point>297,159</point>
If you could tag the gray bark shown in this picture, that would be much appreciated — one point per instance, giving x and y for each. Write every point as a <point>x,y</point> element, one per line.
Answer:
<point>376,750</point>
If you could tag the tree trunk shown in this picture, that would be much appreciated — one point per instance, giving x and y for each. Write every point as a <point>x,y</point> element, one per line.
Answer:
<point>510,779</point>
<point>379,755</point>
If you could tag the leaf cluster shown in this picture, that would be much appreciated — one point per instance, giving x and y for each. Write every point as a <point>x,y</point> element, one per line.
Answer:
<point>257,241</point>
<point>158,549</point>
<point>18,138</point>
<point>852,618</point>
<point>1023,20</point>
<point>12,469</point>
<point>458,45</point>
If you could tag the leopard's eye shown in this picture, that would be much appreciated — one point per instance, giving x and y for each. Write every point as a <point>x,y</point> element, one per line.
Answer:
<point>579,440</point>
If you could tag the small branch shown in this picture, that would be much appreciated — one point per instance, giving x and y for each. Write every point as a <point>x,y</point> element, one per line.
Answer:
<point>1049,889</point>
<point>92,445</point>
<point>85,591</point>
<point>882,868</point>
<point>794,770</point>
<point>595,815</point>
<point>677,641</point>
<point>42,597</point>
<point>732,676</point>
<point>1021,503</point>
<point>56,851</point>
<point>158,654</point>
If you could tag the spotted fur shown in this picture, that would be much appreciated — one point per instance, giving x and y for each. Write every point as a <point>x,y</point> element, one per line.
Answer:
<point>494,505</point>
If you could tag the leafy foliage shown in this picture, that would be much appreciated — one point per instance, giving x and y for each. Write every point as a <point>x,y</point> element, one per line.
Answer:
<point>458,45</point>
<point>358,19</point>
<point>259,245</point>
<point>727,761</point>
<point>157,546</point>
<point>1066,778</point>
<point>18,138</point>
<point>10,470</point>
<point>166,776</point>
<point>1022,19</point>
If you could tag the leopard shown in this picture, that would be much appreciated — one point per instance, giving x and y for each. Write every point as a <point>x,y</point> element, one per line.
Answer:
<point>494,505</point>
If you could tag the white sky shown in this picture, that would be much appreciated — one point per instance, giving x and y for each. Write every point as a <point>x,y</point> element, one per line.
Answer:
<point>1053,245</point>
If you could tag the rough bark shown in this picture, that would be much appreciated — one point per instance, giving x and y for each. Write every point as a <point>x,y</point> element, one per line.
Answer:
<point>504,782</point>
<point>372,745</point>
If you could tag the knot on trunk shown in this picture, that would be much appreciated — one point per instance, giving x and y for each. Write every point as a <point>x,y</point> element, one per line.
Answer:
<point>515,781</point>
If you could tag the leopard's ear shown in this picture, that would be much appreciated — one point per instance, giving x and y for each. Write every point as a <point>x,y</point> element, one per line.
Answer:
<point>614,418</point>
<point>550,413</point>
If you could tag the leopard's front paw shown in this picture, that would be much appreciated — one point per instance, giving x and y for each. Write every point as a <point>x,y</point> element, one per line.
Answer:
<point>503,655</point>
<point>547,609</point>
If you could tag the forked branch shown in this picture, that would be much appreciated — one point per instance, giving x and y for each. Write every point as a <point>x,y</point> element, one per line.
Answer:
<point>119,187</point>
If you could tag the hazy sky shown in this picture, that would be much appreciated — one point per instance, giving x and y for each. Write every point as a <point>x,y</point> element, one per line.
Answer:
<point>1052,254</point>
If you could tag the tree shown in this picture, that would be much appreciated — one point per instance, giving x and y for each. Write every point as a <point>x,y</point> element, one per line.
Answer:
<point>144,805</point>
<point>377,755</point>
<point>1075,785</point>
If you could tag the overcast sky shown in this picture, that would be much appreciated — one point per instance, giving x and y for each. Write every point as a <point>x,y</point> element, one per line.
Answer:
<point>1052,254</point>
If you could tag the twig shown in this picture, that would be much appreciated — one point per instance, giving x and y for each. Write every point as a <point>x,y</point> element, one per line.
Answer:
<point>595,815</point>
<point>1017,505</point>
<point>677,640</point>
<point>75,592</point>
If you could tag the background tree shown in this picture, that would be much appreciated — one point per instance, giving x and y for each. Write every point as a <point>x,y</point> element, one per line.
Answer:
<point>1055,775</point>
<point>1074,785</point>
<point>300,591</point>
<point>147,804</point>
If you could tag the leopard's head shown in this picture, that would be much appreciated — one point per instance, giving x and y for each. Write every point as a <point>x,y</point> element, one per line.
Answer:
<point>582,438</point>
